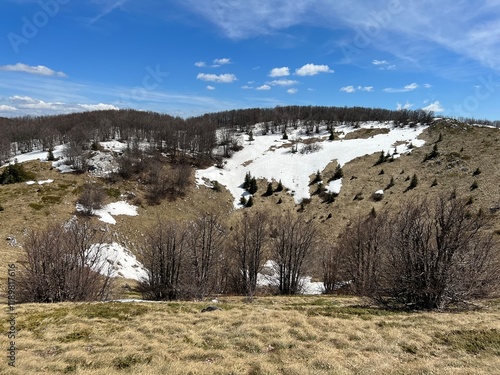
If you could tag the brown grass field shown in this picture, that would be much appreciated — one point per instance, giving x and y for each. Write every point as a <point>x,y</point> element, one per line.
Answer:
<point>272,335</point>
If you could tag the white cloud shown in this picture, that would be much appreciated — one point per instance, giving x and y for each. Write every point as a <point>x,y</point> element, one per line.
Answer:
<point>223,61</point>
<point>379,62</point>
<point>7,108</point>
<point>435,107</point>
<point>348,89</point>
<point>210,87</point>
<point>247,87</point>
<point>220,78</point>
<point>200,64</point>
<point>98,107</point>
<point>38,70</point>
<point>400,106</point>
<point>283,82</point>
<point>37,106</point>
<point>411,87</point>
<point>280,72</point>
<point>312,69</point>
<point>292,91</point>
<point>263,88</point>
<point>427,85</point>
<point>351,89</point>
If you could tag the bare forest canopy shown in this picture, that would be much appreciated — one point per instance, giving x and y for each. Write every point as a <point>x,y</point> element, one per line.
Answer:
<point>195,134</point>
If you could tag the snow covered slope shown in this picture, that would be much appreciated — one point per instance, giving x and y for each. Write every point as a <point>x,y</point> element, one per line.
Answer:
<point>270,157</point>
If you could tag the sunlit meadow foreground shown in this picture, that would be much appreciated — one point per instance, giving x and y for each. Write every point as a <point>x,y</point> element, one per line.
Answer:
<point>272,335</point>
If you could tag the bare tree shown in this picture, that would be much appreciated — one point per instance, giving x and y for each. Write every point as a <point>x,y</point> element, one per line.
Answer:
<point>163,256</point>
<point>247,246</point>
<point>361,247</point>
<point>331,263</point>
<point>440,254</point>
<point>64,263</point>
<point>205,243</point>
<point>292,242</point>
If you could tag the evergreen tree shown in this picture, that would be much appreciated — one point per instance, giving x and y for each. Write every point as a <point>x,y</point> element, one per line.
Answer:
<point>279,187</point>
<point>248,179</point>
<point>413,182</point>
<point>250,202</point>
<point>269,190</point>
<point>253,186</point>
<point>339,173</point>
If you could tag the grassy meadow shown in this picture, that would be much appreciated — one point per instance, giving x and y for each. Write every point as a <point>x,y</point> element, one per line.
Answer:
<point>271,335</point>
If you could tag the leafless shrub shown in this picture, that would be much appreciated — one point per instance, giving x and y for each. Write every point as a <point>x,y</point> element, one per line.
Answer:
<point>361,246</point>
<point>440,254</point>
<point>91,198</point>
<point>163,255</point>
<point>292,243</point>
<point>246,247</point>
<point>310,148</point>
<point>64,263</point>
<point>428,255</point>
<point>206,258</point>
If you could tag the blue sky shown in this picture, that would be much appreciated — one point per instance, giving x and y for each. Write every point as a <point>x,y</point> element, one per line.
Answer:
<point>189,57</point>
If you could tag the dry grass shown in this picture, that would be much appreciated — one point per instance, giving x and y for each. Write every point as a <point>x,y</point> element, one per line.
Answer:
<point>301,335</point>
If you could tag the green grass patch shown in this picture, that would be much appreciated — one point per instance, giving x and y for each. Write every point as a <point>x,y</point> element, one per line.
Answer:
<point>40,320</point>
<point>111,310</point>
<point>36,206</point>
<point>51,199</point>
<point>474,341</point>
<point>76,336</point>
<point>113,192</point>
<point>128,361</point>
<point>348,312</point>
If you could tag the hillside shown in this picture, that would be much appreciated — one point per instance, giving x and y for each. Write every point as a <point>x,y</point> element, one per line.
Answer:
<point>301,334</point>
<point>466,156</point>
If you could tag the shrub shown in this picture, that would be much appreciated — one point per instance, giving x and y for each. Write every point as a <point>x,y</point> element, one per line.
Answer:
<point>428,255</point>
<point>91,198</point>
<point>476,172</point>
<point>15,173</point>
<point>474,185</point>
<point>64,263</point>
<point>50,155</point>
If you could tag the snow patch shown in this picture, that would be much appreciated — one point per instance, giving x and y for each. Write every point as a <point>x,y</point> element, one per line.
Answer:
<point>117,261</point>
<point>269,277</point>
<point>107,212</point>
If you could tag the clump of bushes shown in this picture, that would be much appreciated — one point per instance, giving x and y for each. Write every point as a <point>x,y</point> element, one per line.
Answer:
<point>15,173</point>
